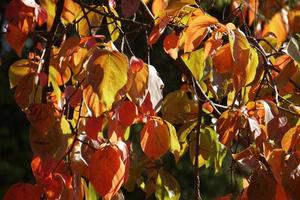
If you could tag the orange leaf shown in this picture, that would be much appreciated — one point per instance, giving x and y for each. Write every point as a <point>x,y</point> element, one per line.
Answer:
<point>155,138</point>
<point>277,27</point>
<point>291,139</point>
<point>223,60</point>
<point>228,125</point>
<point>19,191</point>
<point>106,171</point>
<point>196,31</point>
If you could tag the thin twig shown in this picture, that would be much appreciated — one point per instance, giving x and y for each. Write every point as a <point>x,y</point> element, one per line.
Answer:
<point>50,39</point>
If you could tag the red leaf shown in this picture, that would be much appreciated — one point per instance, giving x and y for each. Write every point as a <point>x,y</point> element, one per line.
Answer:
<point>136,64</point>
<point>127,113</point>
<point>171,45</point>
<point>106,171</point>
<point>93,126</point>
<point>155,138</point>
<point>19,191</point>
<point>43,79</point>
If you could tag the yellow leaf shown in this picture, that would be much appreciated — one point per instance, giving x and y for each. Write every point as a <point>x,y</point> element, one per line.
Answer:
<point>112,24</point>
<point>195,61</point>
<point>18,70</point>
<point>174,142</point>
<point>107,74</point>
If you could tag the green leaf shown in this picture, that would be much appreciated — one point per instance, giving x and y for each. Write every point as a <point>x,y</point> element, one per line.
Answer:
<point>112,24</point>
<point>167,187</point>
<point>92,195</point>
<point>185,130</point>
<point>65,126</point>
<point>251,66</point>
<point>53,74</point>
<point>174,142</point>
<point>195,61</point>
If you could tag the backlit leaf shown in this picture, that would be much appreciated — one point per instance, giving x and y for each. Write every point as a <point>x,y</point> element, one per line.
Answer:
<point>107,74</point>
<point>228,125</point>
<point>195,61</point>
<point>179,108</point>
<point>106,171</point>
<point>291,139</point>
<point>18,70</point>
<point>155,138</point>
<point>174,142</point>
<point>128,113</point>
<point>167,187</point>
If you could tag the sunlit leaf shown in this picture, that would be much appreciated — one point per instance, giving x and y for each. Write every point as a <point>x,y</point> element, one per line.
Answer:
<point>167,187</point>
<point>18,70</point>
<point>228,125</point>
<point>107,74</point>
<point>291,139</point>
<point>195,61</point>
<point>106,171</point>
<point>155,138</point>
<point>174,142</point>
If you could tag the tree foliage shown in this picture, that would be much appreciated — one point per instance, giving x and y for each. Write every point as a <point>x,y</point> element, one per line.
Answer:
<point>84,90</point>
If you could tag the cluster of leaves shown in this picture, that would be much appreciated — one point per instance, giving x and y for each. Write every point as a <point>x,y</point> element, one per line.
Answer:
<point>84,94</point>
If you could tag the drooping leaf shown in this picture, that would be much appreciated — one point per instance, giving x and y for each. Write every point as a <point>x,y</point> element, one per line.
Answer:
<point>113,25</point>
<point>171,45</point>
<point>291,139</point>
<point>106,171</point>
<point>20,190</point>
<point>179,108</point>
<point>196,31</point>
<point>167,187</point>
<point>128,113</point>
<point>93,126</point>
<point>174,142</point>
<point>18,70</point>
<point>195,61</point>
<point>107,74</point>
<point>228,125</point>
<point>155,138</point>
<point>136,64</point>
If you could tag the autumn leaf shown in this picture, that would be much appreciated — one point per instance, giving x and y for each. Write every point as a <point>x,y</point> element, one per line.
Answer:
<point>167,187</point>
<point>171,45</point>
<point>20,190</point>
<point>106,171</point>
<point>196,62</point>
<point>93,126</point>
<point>291,139</point>
<point>18,70</point>
<point>196,31</point>
<point>128,113</point>
<point>106,72</point>
<point>155,138</point>
<point>228,126</point>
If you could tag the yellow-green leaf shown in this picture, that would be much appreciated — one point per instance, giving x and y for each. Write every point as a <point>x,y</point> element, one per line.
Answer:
<point>112,24</point>
<point>195,62</point>
<point>167,187</point>
<point>174,142</point>
<point>107,74</point>
<point>18,70</point>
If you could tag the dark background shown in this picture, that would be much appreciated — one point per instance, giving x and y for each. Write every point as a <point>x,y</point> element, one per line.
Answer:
<point>15,152</point>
